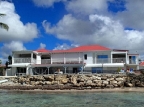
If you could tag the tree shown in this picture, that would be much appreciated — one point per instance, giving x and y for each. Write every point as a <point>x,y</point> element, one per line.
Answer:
<point>3,25</point>
<point>10,59</point>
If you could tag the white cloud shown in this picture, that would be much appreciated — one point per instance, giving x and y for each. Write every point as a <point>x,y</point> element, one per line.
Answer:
<point>7,48</point>
<point>17,30</point>
<point>46,3</point>
<point>64,46</point>
<point>97,30</point>
<point>87,6</point>
<point>42,46</point>
<point>133,14</point>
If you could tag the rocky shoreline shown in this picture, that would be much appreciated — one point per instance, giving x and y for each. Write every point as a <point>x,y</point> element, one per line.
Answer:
<point>74,81</point>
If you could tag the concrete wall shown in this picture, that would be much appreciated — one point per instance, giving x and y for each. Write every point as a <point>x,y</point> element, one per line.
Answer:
<point>38,59</point>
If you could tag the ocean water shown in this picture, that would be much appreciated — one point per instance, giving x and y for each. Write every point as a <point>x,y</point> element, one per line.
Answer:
<point>72,99</point>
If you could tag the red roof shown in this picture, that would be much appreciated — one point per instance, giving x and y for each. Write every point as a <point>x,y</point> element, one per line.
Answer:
<point>42,50</point>
<point>141,64</point>
<point>84,49</point>
<point>89,48</point>
<point>78,49</point>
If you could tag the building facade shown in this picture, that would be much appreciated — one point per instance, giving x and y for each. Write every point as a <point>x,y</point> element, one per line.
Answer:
<point>91,58</point>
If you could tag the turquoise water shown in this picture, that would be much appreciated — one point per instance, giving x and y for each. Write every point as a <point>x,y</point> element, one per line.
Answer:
<point>75,99</point>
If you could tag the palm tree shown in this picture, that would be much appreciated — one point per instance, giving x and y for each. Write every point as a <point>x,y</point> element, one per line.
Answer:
<point>3,25</point>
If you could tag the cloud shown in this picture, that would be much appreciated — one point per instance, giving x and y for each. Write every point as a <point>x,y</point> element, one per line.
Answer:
<point>46,3</point>
<point>7,48</point>
<point>17,30</point>
<point>132,16</point>
<point>64,46</point>
<point>98,29</point>
<point>86,7</point>
<point>42,46</point>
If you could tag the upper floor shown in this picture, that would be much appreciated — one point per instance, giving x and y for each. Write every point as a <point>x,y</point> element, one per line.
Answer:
<point>93,54</point>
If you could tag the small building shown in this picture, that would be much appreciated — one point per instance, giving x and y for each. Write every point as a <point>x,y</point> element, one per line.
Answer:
<point>88,58</point>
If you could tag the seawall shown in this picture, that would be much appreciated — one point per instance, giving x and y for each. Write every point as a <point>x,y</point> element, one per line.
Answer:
<point>74,81</point>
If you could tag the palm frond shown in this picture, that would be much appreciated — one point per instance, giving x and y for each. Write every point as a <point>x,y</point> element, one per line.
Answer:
<point>3,25</point>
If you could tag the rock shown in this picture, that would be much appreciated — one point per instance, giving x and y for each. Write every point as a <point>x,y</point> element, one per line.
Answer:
<point>120,83</point>
<point>64,81</point>
<point>105,82</point>
<point>49,78</point>
<point>127,84</point>
<point>119,79</point>
<point>73,80</point>
<point>48,82</point>
<point>113,82</point>
<point>88,83</point>
<point>54,82</point>
<point>104,78</point>
<point>111,79</point>
<point>109,86</point>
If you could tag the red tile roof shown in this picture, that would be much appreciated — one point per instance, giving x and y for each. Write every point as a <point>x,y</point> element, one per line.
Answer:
<point>90,48</point>
<point>141,64</point>
<point>79,49</point>
<point>42,50</point>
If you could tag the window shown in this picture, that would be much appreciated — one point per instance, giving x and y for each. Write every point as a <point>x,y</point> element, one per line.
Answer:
<point>85,56</point>
<point>102,58</point>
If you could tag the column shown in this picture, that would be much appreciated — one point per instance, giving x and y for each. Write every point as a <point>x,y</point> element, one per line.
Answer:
<point>6,72</point>
<point>27,71</point>
<point>48,69</point>
<point>111,58</point>
<point>64,58</point>
<point>79,57</point>
<point>51,58</point>
<point>32,58</point>
<point>65,70</point>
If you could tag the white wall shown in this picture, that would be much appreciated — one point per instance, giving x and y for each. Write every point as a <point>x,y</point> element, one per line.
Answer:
<point>91,56</point>
<point>38,59</point>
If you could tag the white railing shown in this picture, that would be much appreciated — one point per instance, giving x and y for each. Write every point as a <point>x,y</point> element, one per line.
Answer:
<point>119,60</point>
<point>73,61</point>
<point>22,60</point>
<point>62,61</point>
<point>58,61</point>
<point>132,61</point>
<point>109,60</point>
<point>46,61</point>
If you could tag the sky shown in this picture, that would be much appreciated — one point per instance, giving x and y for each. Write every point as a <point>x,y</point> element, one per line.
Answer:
<point>62,24</point>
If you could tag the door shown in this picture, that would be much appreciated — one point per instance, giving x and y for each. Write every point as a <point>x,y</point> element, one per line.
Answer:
<point>75,70</point>
<point>97,70</point>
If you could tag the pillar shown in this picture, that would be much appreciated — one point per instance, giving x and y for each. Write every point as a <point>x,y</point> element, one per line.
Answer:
<point>65,70</point>
<point>48,69</point>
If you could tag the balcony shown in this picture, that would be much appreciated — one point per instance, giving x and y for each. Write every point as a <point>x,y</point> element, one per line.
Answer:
<point>22,60</point>
<point>108,60</point>
<point>61,61</point>
<point>46,61</point>
<point>119,60</point>
<point>132,61</point>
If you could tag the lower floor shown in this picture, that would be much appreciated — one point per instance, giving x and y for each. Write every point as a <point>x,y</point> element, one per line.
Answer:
<point>47,69</point>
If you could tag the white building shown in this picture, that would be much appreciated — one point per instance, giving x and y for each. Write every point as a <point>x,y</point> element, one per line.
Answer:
<point>91,58</point>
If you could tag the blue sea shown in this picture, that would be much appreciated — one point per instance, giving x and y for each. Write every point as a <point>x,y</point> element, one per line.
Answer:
<point>71,99</point>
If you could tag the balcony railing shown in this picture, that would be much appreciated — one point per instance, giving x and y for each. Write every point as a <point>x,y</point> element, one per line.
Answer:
<point>61,61</point>
<point>108,60</point>
<point>22,60</point>
<point>119,60</point>
<point>132,61</point>
<point>46,61</point>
